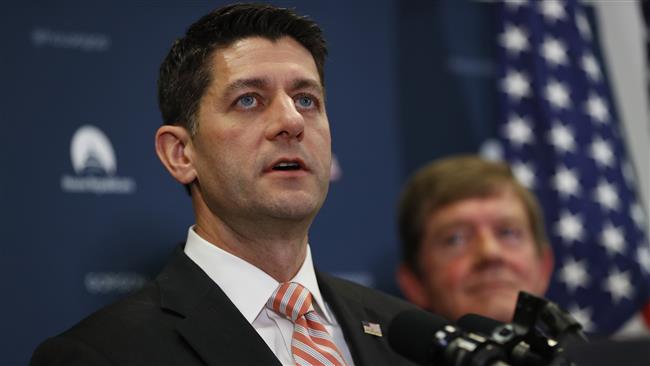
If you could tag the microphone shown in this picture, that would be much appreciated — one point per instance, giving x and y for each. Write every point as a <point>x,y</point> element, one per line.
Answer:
<point>521,347</point>
<point>481,324</point>
<point>428,339</point>
<point>537,336</point>
<point>548,319</point>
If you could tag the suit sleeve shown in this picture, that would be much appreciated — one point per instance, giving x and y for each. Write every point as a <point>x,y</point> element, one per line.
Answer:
<point>66,351</point>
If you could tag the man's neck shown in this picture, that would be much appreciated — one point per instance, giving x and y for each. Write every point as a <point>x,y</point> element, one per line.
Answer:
<point>279,250</point>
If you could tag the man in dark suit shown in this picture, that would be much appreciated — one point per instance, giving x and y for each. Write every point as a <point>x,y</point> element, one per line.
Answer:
<point>246,131</point>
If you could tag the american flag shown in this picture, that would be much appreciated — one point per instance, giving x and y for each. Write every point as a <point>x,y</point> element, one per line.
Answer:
<point>560,133</point>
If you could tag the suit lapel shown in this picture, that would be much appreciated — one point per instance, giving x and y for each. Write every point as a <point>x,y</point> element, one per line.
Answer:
<point>221,335</point>
<point>350,312</point>
<point>211,324</point>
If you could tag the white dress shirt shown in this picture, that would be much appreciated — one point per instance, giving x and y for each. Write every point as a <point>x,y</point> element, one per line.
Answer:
<point>249,288</point>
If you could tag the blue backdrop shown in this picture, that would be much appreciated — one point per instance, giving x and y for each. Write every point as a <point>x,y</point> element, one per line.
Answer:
<point>406,82</point>
<point>76,239</point>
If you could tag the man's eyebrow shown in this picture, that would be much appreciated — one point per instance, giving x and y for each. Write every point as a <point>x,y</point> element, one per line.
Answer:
<point>258,83</point>
<point>448,224</point>
<point>514,219</point>
<point>263,83</point>
<point>307,84</point>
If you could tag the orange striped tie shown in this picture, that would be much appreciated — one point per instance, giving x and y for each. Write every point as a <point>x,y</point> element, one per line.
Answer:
<point>311,344</point>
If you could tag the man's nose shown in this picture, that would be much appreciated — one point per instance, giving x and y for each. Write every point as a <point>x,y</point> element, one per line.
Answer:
<point>488,245</point>
<point>286,122</point>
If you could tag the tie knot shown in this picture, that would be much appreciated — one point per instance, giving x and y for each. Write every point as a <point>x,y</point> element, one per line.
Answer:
<point>291,300</point>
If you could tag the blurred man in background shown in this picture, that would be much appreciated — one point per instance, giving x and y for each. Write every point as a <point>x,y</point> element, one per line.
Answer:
<point>472,238</point>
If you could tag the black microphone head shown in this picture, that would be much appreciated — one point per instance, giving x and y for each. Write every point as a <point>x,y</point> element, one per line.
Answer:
<point>497,331</point>
<point>478,324</point>
<point>412,333</point>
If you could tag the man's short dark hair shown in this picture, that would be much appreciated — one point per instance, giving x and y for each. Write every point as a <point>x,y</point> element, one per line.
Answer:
<point>185,72</point>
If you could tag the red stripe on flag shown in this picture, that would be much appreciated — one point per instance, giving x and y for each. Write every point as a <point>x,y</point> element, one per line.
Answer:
<point>646,315</point>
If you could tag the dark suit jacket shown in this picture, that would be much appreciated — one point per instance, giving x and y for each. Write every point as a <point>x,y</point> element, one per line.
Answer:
<point>184,318</point>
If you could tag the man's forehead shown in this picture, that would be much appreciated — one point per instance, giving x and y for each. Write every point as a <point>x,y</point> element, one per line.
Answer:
<point>254,56</point>
<point>500,205</point>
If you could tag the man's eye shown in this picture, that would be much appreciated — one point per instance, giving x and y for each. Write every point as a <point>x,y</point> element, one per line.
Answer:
<point>455,239</point>
<point>305,102</point>
<point>247,101</point>
<point>510,232</point>
<point>511,235</point>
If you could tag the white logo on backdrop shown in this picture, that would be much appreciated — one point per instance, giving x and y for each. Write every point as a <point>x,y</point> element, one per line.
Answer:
<point>93,160</point>
<point>113,282</point>
<point>335,170</point>
<point>89,42</point>
<point>91,150</point>
<point>363,278</point>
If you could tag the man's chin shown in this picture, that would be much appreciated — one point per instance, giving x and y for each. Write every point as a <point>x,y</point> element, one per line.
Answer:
<point>502,312</point>
<point>500,307</point>
<point>492,288</point>
<point>497,294</point>
<point>293,208</point>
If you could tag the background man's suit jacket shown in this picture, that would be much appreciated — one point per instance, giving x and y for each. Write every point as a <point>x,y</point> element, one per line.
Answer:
<point>184,318</point>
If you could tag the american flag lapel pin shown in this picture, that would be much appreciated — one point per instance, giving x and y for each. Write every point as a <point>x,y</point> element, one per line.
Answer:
<point>372,329</point>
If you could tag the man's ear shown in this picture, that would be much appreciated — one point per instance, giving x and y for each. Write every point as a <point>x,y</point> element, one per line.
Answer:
<point>174,149</point>
<point>412,287</point>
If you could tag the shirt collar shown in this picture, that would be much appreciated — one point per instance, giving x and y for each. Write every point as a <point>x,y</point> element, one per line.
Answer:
<point>306,277</point>
<point>253,287</point>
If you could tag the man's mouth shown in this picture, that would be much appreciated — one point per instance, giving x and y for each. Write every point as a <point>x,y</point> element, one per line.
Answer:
<point>495,284</point>
<point>287,165</point>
